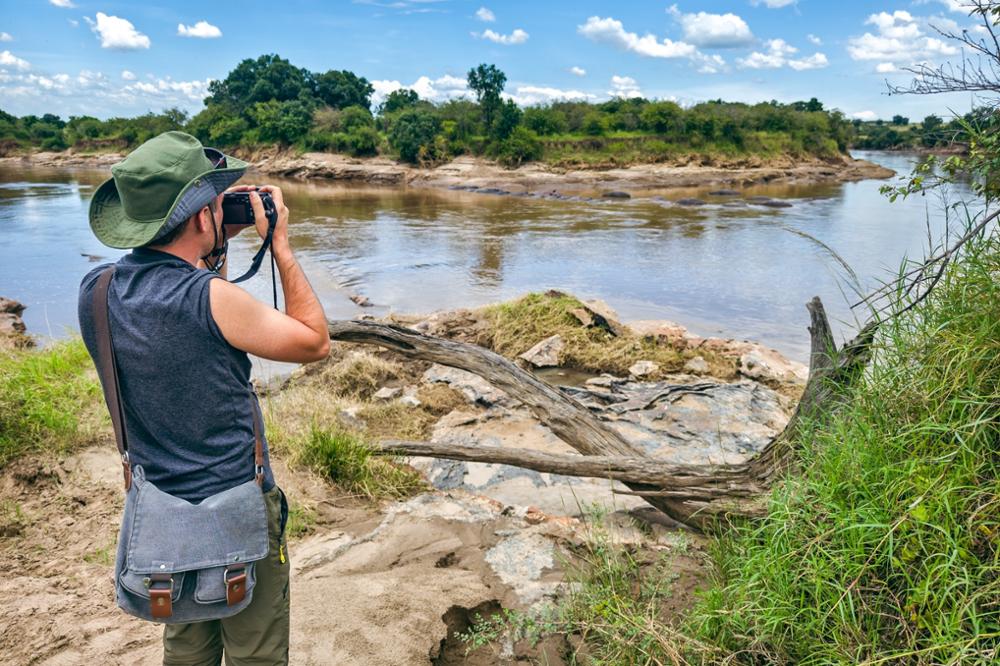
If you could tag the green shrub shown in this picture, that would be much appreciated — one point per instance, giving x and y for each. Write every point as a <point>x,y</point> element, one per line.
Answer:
<point>595,124</point>
<point>521,146</point>
<point>413,135</point>
<point>344,458</point>
<point>50,400</point>
<point>362,141</point>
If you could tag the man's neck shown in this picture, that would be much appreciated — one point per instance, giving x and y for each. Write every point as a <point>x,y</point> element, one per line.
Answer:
<point>185,251</point>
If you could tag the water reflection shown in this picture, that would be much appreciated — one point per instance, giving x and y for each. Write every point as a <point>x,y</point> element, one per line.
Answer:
<point>726,267</point>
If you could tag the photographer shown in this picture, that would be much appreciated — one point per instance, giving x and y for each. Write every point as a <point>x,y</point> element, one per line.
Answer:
<point>173,357</point>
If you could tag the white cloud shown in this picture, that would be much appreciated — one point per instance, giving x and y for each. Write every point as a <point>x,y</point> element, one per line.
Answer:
<point>202,29</point>
<point>74,23</point>
<point>779,54</point>
<point>531,95</point>
<point>577,71</point>
<point>815,61</point>
<point>67,4</point>
<point>885,67</point>
<point>517,37</point>
<point>440,89</point>
<point>194,91</point>
<point>963,6</point>
<point>813,39</point>
<point>865,115</point>
<point>484,14</point>
<point>117,33</point>
<point>713,30</point>
<point>900,38</point>
<point>8,59</point>
<point>611,31</point>
<point>709,64</point>
<point>127,75</point>
<point>5,37</point>
<point>772,4</point>
<point>624,86</point>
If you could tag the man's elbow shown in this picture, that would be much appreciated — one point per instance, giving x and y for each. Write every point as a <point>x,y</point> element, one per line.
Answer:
<point>320,350</point>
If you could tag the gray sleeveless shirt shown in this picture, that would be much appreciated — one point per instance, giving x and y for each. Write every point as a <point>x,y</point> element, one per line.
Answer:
<point>187,391</point>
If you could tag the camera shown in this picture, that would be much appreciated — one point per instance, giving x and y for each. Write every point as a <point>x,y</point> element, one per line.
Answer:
<point>238,211</point>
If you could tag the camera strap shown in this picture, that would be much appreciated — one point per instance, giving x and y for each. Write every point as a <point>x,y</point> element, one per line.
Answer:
<point>220,255</point>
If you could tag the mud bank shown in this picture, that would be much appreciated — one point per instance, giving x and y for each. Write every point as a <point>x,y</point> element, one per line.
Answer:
<point>472,173</point>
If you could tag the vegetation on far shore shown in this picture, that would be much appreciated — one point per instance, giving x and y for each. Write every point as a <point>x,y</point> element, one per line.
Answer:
<point>268,101</point>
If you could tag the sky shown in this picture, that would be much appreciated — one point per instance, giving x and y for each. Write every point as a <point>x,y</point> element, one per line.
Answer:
<point>76,57</point>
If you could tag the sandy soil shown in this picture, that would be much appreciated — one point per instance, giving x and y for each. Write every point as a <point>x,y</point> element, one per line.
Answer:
<point>473,172</point>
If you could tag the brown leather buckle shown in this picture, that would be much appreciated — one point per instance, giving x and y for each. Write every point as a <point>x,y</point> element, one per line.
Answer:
<point>127,471</point>
<point>236,585</point>
<point>161,605</point>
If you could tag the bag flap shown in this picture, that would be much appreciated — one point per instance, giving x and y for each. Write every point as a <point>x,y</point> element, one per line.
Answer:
<point>211,585</point>
<point>170,534</point>
<point>138,584</point>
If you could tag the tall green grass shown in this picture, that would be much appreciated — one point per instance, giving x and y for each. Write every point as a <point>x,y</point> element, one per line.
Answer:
<point>50,400</point>
<point>886,547</point>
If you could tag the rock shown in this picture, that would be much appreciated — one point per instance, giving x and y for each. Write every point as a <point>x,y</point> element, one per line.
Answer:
<point>11,306</point>
<point>673,334</point>
<point>616,194</point>
<point>724,193</point>
<point>546,353</point>
<point>604,316</point>
<point>363,301</point>
<point>475,389</point>
<point>775,203</point>
<point>770,367</point>
<point>696,366</point>
<point>605,381</point>
<point>387,393</point>
<point>690,201</point>
<point>584,316</point>
<point>410,401</point>
<point>641,369</point>
<point>519,562</point>
<point>11,325</point>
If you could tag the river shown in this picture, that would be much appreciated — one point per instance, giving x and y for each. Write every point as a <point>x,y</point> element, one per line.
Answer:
<point>727,268</point>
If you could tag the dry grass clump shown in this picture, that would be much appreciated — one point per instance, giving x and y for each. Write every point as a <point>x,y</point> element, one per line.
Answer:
<point>357,375</point>
<point>516,326</point>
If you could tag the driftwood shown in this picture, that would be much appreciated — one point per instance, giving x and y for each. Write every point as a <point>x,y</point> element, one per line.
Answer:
<point>690,494</point>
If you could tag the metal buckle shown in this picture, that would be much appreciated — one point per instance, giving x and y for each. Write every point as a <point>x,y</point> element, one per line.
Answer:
<point>161,599</point>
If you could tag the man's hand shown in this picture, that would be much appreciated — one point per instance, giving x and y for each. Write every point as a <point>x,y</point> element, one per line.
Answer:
<point>297,335</point>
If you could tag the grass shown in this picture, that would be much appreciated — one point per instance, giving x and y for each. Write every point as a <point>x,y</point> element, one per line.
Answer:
<point>617,600</point>
<point>345,458</point>
<point>886,548</point>
<point>50,400</point>
<point>301,520</point>
<point>516,326</point>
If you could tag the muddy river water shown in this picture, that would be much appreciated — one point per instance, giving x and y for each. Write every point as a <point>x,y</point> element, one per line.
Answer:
<point>730,267</point>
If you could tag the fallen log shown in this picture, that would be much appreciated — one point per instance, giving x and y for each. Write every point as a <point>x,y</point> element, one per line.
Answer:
<point>693,495</point>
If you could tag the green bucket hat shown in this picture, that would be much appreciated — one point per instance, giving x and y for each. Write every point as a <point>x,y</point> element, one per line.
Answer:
<point>157,186</point>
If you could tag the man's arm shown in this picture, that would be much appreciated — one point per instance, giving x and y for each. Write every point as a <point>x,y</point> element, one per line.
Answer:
<point>299,334</point>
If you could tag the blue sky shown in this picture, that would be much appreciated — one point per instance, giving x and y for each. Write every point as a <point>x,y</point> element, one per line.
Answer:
<point>75,57</point>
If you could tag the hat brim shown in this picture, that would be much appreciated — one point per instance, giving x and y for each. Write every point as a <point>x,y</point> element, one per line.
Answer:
<point>116,229</point>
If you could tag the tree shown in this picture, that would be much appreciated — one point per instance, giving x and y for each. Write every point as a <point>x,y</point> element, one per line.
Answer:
<point>284,122</point>
<point>398,100</point>
<point>545,121</point>
<point>661,117</point>
<point>508,117</point>
<point>594,123</point>
<point>521,146</point>
<point>341,89</point>
<point>414,129</point>
<point>900,120</point>
<point>487,82</point>
<point>267,78</point>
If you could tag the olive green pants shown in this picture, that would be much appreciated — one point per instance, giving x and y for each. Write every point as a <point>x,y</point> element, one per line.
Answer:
<point>259,633</point>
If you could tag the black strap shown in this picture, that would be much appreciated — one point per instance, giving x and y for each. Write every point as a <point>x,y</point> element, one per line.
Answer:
<point>259,258</point>
<point>107,370</point>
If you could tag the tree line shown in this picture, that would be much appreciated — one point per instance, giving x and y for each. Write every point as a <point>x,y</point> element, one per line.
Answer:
<point>270,101</point>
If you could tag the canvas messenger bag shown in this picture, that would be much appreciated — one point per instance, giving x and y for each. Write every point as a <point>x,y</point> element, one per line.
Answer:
<point>180,562</point>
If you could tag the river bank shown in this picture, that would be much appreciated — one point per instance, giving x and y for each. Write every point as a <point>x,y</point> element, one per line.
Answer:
<point>468,539</point>
<point>473,173</point>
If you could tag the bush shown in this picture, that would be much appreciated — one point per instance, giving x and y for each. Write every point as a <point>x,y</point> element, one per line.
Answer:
<point>545,121</point>
<point>283,122</point>
<point>362,141</point>
<point>594,124</point>
<point>413,135</point>
<point>521,146</point>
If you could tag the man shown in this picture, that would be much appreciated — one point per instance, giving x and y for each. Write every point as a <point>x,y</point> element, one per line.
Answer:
<point>182,335</point>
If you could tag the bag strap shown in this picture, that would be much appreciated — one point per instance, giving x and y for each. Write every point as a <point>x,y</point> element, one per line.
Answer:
<point>107,369</point>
